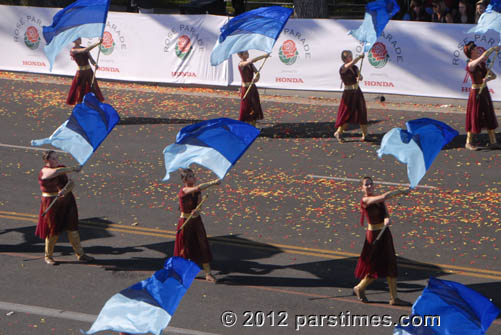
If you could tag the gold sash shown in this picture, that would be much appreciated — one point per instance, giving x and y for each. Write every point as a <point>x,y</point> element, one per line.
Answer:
<point>476,86</point>
<point>85,67</point>
<point>351,87</point>
<point>246,84</point>
<point>48,195</point>
<point>378,226</point>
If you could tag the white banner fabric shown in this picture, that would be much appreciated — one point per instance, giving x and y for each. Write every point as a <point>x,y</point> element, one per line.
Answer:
<point>411,58</point>
<point>148,48</point>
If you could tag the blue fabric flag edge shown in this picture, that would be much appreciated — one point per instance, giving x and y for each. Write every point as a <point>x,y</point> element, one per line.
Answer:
<point>472,313</point>
<point>233,129</point>
<point>78,13</point>
<point>268,21</point>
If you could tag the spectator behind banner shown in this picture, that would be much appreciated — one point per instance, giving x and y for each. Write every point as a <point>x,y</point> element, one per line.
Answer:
<point>416,12</point>
<point>479,9</point>
<point>463,14</point>
<point>440,13</point>
<point>145,6</point>
<point>238,6</point>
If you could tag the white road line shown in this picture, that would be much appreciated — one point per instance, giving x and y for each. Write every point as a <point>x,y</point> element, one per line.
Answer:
<point>375,181</point>
<point>56,313</point>
<point>28,148</point>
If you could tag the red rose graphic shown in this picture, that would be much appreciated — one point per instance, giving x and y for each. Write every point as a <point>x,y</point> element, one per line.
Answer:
<point>379,51</point>
<point>184,43</point>
<point>107,40</point>
<point>32,34</point>
<point>289,49</point>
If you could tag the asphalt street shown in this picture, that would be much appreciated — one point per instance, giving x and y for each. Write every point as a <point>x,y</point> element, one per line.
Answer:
<point>284,224</point>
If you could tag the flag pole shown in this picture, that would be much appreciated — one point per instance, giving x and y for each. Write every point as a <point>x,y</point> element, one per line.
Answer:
<point>191,214</point>
<point>99,51</point>
<point>254,78</point>
<point>488,72</point>
<point>96,66</point>
<point>50,206</point>
<point>53,202</point>
<point>361,63</point>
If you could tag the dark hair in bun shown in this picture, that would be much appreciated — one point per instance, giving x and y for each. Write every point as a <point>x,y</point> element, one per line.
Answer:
<point>468,48</point>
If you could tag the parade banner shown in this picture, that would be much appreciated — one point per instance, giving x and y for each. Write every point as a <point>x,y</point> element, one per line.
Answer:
<point>410,58</point>
<point>148,48</point>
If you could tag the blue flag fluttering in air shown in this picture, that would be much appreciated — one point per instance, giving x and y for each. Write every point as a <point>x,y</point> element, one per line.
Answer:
<point>461,310</point>
<point>149,305</point>
<point>377,15</point>
<point>89,124</point>
<point>489,20</point>
<point>417,146</point>
<point>83,18</point>
<point>216,144</point>
<point>256,29</point>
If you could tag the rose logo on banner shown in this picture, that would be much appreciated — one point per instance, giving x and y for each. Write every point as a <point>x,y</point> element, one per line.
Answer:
<point>378,55</point>
<point>108,44</point>
<point>183,46</point>
<point>32,38</point>
<point>288,52</point>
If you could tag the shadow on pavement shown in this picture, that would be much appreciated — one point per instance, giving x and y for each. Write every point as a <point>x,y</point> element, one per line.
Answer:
<point>305,130</point>
<point>235,259</point>
<point>153,120</point>
<point>491,291</point>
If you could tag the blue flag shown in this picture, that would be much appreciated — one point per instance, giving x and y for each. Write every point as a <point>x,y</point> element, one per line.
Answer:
<point>89,124</point>
<point>83,18</point>
<point>216,144</point>
<point>418,146</point>
<point>461,310</point>
<point>489,20</point>
<point>377,15</point>
<point>256,29</point>
<point>149,305</point>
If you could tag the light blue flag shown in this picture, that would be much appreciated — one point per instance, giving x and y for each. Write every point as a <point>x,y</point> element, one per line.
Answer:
<point>377,15</point>
<point>489,20</point>
<point>256,29</point>
<point>216,144</point>
<point>83,18</point>
<point>89,124</point>
<point>149,305</point>
<point>418,146</point>
<point>461,310</point>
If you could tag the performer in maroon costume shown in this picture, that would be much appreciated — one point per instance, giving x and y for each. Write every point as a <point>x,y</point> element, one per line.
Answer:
<point>63,215</point>
<point>377,259</point>
<point>480,110</point>
<point>82,82</point>
<point>352,108</point>
<point>191,239</point>
<point>250,107</point>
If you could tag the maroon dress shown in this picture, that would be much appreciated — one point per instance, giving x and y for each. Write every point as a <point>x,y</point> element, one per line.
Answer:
<point>352,108</point>
<point>191,242</point>
<point>63,215</point>
<point>82,82</point>
<point>480,110</point>
<point>250,107</point>
<point>378,260</point>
